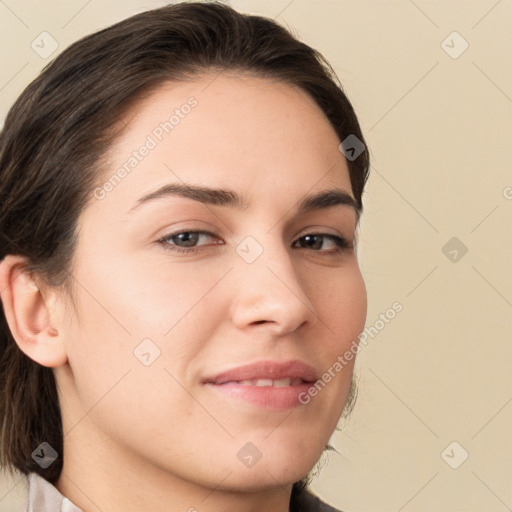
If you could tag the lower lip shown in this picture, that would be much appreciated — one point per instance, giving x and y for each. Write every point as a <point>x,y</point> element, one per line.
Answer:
<point>268,397</point>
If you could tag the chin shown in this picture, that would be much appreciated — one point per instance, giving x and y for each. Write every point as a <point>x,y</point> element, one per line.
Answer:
<point>274,471</point>
<point>263,480</point>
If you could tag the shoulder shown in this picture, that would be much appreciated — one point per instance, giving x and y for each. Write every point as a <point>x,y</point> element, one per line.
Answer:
<point>306,501</point>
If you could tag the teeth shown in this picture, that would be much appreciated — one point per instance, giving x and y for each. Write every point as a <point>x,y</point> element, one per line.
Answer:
<point>278,383</point>
<point>263,382</point>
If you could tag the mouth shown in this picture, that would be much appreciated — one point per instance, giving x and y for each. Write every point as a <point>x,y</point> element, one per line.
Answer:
<point>267,371</point>
<point>265,384</point>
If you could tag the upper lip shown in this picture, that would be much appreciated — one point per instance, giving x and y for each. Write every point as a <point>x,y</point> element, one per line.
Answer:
<point>266,370</point>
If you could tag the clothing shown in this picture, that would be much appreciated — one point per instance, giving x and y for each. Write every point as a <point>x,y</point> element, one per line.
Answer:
<point>45,497</point>
<point>306,501</point>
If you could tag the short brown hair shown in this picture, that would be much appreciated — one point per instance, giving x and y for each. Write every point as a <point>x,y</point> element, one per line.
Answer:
<point>63,123</point>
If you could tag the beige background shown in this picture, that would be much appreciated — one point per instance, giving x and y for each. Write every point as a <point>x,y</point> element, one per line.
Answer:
<point>439,131</point>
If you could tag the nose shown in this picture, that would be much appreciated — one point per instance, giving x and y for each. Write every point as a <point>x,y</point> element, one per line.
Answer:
<point>269,291</point>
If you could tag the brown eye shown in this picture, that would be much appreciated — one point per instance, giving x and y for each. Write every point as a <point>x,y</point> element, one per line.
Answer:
<point>316,241</point>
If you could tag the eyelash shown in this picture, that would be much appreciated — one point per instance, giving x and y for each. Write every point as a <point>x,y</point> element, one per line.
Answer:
<point>341,243</point>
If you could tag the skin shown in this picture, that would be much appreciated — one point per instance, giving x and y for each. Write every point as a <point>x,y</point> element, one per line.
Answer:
<point>143,437</point>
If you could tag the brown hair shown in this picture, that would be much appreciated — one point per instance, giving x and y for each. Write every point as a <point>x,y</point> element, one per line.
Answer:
<point>63,123</point>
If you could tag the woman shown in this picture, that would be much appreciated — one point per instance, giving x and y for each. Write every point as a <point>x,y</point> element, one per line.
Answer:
<point>179,280</point>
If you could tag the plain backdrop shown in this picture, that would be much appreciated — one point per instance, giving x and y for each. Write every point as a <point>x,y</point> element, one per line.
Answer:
<point>431,82</point>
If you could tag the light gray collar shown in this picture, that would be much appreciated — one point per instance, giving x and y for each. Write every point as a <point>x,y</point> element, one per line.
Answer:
<point>45,497</point>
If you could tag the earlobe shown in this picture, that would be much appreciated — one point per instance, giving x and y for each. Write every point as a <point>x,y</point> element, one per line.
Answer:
<point>29,315</point>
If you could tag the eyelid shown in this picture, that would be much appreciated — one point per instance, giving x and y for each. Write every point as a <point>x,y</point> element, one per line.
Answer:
<point>316,229</point>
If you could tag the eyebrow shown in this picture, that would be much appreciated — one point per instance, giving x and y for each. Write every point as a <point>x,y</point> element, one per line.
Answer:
<point>230,198</point>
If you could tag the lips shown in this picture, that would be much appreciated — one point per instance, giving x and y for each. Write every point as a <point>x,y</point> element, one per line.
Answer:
<point>267,373</point>
<point>267,385</point>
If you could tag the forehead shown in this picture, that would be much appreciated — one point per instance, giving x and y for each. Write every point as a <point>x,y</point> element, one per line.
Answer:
<point>243,132</point>
<point>239,105</point>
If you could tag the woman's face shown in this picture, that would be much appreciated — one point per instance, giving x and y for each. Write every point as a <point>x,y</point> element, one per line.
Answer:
<point>154,326</point>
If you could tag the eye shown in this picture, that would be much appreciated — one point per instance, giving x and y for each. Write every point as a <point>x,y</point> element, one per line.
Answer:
<point>316,240</point>
<point>188,238</point>
<point>313,241</point>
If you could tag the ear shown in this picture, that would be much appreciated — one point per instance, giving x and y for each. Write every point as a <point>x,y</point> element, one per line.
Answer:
<point>29,314</point>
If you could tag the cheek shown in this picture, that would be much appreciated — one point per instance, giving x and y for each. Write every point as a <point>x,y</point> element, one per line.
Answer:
<point>132,316</point>
<point>343,308</point>
<point>116,387</point>
<point>160,298</point>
